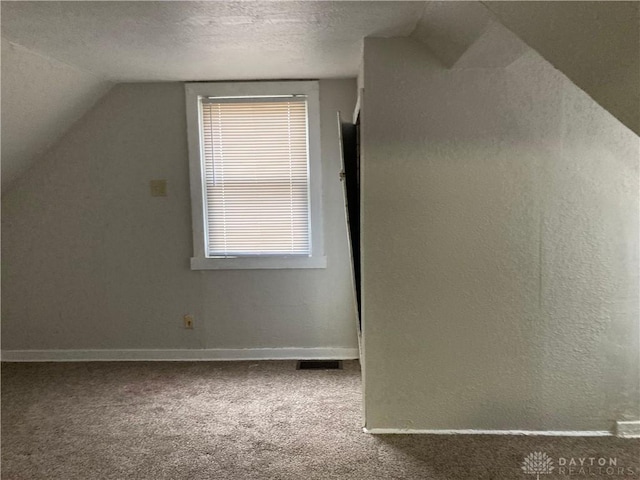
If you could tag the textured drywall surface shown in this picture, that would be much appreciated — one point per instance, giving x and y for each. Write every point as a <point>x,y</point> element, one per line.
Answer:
<point>450,28</point>
<point>596,44</point>
<point>41,98</point>
<point>466,35</point>
<point>500,248</point>
<point>151,41</point>
<point>90,260</point>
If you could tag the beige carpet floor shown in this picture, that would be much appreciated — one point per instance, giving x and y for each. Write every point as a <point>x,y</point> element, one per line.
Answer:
<point>240,421</point>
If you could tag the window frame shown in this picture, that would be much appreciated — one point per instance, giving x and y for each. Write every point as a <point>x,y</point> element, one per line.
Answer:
<point>193,92</point>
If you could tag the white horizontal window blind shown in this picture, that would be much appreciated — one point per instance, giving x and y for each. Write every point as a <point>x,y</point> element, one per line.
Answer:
<point>256,176</point>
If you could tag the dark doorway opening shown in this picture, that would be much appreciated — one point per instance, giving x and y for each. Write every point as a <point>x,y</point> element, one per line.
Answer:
<point>351,157</point>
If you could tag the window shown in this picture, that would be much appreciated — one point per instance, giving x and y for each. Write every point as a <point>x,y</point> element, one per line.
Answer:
<point>254,153</point>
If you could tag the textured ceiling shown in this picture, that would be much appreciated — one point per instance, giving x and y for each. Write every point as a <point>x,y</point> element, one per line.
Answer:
<point>64,54</point>
<point>154,41</point>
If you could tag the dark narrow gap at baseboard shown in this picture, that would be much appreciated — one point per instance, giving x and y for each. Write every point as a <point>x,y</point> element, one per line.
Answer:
<point>319,365</point>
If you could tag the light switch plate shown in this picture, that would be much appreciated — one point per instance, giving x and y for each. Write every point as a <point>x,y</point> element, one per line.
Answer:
<point>158,188</point>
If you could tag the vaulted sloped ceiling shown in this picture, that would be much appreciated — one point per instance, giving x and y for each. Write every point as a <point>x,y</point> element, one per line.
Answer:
<point>63,55</point>
<point>218,40</point>
<point>58,58</point>
<point>41,99</point>
<point>595,44</point>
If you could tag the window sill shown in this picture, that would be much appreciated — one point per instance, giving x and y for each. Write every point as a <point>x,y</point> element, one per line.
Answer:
<point>247,263</point>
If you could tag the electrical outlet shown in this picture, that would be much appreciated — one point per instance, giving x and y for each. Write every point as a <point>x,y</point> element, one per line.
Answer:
<point>188,321</point>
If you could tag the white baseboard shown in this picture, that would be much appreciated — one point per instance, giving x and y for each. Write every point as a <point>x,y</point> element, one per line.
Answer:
<point>546,433</point>
<point>628,429</point>
<point>218,354</point>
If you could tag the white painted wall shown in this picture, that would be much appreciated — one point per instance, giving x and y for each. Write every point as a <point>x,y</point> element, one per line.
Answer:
<point>41,98</point>
<point>500,230</point>
<point>92,261</point>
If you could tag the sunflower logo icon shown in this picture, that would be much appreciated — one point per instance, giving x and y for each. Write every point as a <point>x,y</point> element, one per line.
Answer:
<point>537,463</point>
